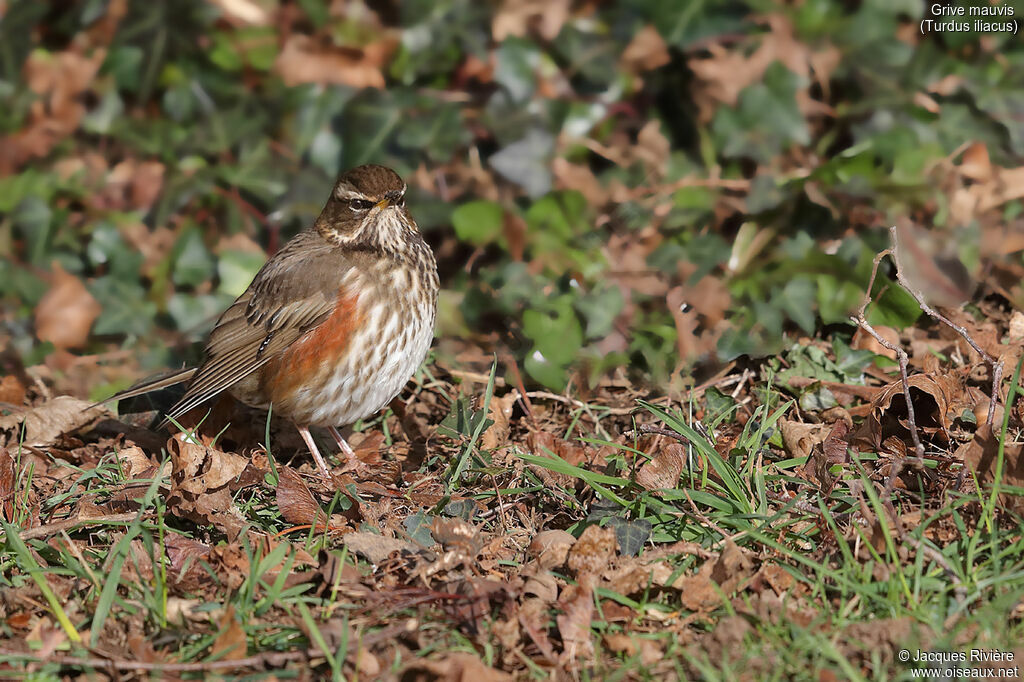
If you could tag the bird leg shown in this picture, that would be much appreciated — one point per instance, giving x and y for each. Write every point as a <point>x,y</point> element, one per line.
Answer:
<point>308,437</point>
<point>345,447</point>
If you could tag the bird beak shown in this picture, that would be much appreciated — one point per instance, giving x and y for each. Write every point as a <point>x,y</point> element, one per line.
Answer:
<point>384,203</point>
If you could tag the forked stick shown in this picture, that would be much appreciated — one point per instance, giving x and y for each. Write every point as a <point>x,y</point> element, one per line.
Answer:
<point>860,320</point>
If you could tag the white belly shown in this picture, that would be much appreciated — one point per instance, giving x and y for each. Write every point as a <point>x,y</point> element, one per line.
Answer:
<point>394,340</point>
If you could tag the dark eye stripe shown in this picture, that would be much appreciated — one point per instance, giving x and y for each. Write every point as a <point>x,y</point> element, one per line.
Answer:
<point>360,204</point>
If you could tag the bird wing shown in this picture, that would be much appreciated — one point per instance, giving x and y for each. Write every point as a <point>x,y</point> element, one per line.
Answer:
<point>293,293</point>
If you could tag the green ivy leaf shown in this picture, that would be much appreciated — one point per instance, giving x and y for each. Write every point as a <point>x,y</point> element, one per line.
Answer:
<point>478,222</point>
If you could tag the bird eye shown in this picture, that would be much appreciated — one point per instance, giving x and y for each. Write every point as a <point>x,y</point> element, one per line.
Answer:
<point>360,205</point>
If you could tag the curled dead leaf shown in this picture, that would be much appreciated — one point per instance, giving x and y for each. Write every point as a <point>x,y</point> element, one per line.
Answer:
<point>296,502</point>
<point>937,400</point>
<point>200,484</point>
<point>543,585</point>
<point>799,439</point>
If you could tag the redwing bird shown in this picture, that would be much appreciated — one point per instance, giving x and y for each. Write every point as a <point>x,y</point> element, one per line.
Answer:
<point>333,325</point>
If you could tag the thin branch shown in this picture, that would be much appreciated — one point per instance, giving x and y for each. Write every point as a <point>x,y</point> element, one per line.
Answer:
<point>645,429</point>
<point>274,658</point>
<point>995,365</point>
<point>70,524</point>
<point>904,360</point>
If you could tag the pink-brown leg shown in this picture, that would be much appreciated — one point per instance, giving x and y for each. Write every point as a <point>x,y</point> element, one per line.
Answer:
<point>345,447</point>
<point>306,436</point>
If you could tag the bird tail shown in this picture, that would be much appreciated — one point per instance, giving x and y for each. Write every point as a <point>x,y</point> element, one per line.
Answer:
<point>150,385</point>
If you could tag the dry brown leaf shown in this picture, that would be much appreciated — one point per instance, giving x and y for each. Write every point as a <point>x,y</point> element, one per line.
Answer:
<point>296,503</point>
<point>518,17</point>
<point>619,642</point>
<point>593,552</point>
<point>134,461</point>
<point>45,423</point>
<point>981,455</point>
<point>1007,185</point>
<point>184,555</point>
<point>579,177</point>
<point>184,612</point>
<point>865,341</point>
<point>230,563</point>
<point>732,569</point>
<point>975,164</point>
<point>577,605</point>
<point>652,148</point>
<point>544,444</point>
<point>59,79</point>
<point>728,71</point>
<point>142,650</point>
<point>7,478</point>
<point>65,314</point>
<point>131,184</point>
<point>627,255</point>
<point>778,578</point>
<point>200,484</point>
<point>500,411</point>
<point>244,12</point>
<point>230,644</point>
<point>12,391</point>
<point>799,439</point>
<point>455,667</point>
<point>366,664</point>
<point>835,446</point>
<point>698,592</point>
<point>543,585</point>
<point>551,548</point>
<point>937,400</point>
<point>663,471</point>
<point>302,61</point>
<point>376,548</point>
<point>929,261</point>
<point>646,51</point>
<point>455,533</point>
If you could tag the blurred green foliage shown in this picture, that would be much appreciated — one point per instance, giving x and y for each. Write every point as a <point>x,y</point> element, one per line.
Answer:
<point>837,135</point>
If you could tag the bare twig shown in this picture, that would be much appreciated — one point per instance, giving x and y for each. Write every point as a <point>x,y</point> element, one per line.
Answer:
<point>69,524</point>
<point>862,322</point>
<point>995,365</point>
<point>646,429</point>
<point>274,658</point>
<point>547,395</point>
